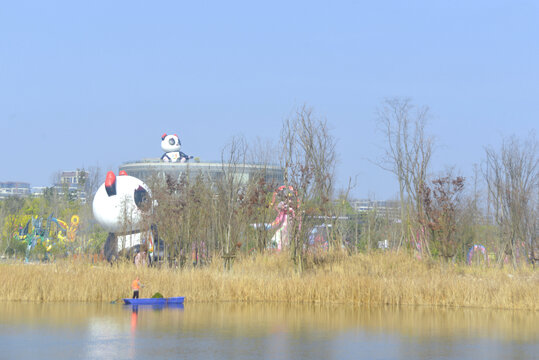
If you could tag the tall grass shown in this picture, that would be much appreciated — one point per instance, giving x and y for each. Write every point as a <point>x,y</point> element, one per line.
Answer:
<point>374,279</point>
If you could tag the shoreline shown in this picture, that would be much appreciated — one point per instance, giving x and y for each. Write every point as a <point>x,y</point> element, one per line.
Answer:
<point>360,280</point>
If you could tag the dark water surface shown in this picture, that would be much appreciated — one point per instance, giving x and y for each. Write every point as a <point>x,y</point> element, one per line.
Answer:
<point>262,331</point>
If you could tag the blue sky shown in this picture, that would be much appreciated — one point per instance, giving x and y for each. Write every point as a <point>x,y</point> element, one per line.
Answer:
<point>96,83</point>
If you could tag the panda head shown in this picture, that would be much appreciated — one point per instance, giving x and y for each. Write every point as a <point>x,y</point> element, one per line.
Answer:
<point>119,199</point>
<point>170,143</point>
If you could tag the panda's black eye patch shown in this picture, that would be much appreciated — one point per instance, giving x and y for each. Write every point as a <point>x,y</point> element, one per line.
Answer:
<point>171,141</point>
<point>141,197</point>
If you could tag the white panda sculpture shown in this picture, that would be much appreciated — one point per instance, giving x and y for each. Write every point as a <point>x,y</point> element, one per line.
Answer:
<point>171,145</point>
<point>118,206</point>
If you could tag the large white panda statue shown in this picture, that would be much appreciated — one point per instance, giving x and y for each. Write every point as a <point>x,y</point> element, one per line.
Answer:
<point>171,145</point>
<point>118,206</point>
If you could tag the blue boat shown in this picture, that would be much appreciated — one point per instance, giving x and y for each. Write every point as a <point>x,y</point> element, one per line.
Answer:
<point>155,301</point>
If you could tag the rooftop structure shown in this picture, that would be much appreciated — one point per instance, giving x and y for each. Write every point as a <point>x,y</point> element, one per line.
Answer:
<point>213,171</point>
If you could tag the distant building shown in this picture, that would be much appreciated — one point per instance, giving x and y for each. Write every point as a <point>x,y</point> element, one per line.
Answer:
<point>73,182</point>
<point>38,190</point>
<point>383,208</point>
<point>72,177</point>
<point>14,188</point>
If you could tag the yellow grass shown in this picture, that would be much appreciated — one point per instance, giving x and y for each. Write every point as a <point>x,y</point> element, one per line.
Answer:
<point>374,279</point>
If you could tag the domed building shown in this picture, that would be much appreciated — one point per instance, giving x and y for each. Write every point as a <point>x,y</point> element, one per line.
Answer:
<point>212,171</point>
<point>176,164</point>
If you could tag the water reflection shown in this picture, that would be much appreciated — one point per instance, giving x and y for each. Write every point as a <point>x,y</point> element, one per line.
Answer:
<point>264,331</point>
<point>155,307</point>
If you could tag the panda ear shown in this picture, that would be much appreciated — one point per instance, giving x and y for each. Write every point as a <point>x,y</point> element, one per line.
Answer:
<point>110,184</point>
<point>176,135</point>
<point>163,136</point>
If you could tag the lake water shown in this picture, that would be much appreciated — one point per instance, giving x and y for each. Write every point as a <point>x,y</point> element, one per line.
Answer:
<point>263,331</point>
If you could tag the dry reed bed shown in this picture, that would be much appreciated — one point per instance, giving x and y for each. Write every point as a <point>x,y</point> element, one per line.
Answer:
<point>375,279</point>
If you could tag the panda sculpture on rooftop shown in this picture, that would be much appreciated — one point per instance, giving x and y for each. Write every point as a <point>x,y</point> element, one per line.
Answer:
<point>171,146</point>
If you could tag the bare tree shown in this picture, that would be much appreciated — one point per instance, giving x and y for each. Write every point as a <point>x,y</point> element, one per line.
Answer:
<point>309,160</point>
<point>407,156</point>
<point>513,183</point>
<point>182,206</point>
<point>259,190</point>
<point>441,200</point>
<point>262,152</point>
<point>257,211</point>
<point>210,214</point>
<point>90,180</point>
<point>230,197</point>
